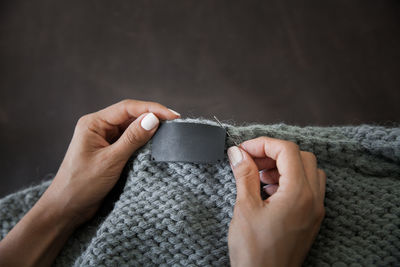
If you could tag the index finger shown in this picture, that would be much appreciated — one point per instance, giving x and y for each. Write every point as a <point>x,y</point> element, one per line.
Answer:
<point>285,153</point>
<point>127,109</point>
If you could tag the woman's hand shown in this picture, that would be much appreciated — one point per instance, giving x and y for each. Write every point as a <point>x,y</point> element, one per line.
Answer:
<point>101,145</point>
<point>280,230</point>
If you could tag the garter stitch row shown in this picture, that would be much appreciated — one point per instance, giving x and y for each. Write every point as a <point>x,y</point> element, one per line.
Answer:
<point>178,214</point>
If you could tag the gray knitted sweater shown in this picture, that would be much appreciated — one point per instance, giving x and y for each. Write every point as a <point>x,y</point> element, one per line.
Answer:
<point>179,213</point>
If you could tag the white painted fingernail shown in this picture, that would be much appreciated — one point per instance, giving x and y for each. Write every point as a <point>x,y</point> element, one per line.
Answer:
<point>149,122</point>
<point>235,155</point>
<point>173,111</point>
<point>270,189</point>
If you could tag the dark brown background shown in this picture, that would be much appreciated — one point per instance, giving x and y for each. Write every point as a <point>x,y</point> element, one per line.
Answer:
<point>332,62</point>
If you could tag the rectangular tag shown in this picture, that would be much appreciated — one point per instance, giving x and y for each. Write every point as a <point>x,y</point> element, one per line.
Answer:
<point>188,142</point>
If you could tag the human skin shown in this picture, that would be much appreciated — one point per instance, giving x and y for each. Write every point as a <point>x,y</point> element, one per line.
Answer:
<point>100,147</point>
<point>278,231</point>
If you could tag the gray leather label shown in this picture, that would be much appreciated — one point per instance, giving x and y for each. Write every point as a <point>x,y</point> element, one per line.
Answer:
<point>188,142</point>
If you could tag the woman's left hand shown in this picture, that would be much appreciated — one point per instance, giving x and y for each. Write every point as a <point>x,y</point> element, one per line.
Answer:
<point>101,145</point>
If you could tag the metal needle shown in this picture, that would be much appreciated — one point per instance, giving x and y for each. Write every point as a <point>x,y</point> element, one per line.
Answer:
<point>230,136</point>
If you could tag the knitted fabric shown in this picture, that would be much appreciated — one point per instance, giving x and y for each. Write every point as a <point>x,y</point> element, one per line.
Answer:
<point>179,213</point>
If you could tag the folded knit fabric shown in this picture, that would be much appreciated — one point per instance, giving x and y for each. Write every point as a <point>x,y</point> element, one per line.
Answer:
<point>179,213</point>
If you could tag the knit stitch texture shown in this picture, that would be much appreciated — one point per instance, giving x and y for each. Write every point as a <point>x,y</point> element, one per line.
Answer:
<point>178,214</point>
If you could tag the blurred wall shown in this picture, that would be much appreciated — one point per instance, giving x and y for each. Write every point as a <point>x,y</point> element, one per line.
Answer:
<point>315,62</point>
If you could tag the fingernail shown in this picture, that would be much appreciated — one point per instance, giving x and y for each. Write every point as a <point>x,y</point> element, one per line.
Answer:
<point>173,111</point>
<point>149,122</point>
<point>235,155</point>
<point>270,189</point>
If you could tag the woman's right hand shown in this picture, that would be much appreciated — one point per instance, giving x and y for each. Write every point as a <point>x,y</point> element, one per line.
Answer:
<point>280,230</point>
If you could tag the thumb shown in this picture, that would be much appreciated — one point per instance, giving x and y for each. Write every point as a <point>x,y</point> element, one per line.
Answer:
<point>246,174</point>
<point>136,135</point>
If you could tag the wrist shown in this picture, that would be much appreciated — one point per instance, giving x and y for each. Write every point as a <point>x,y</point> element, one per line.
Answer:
<point>67,202</point>
<point>52,214</point>
<point>57,203</point>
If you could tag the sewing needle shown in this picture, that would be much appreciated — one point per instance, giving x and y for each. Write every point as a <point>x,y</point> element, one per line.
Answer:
<point>230,136</point>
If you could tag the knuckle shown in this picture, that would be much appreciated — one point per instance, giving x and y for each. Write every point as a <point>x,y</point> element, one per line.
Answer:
<point>125,101</point>
<point>290,146</point>
<point>132,137</point>
<point>153,105</point>
<point>246,173</point>
<point>307,198</point>
<point>83,121</point>
<point>148,105</point>
<point>310,156</point>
